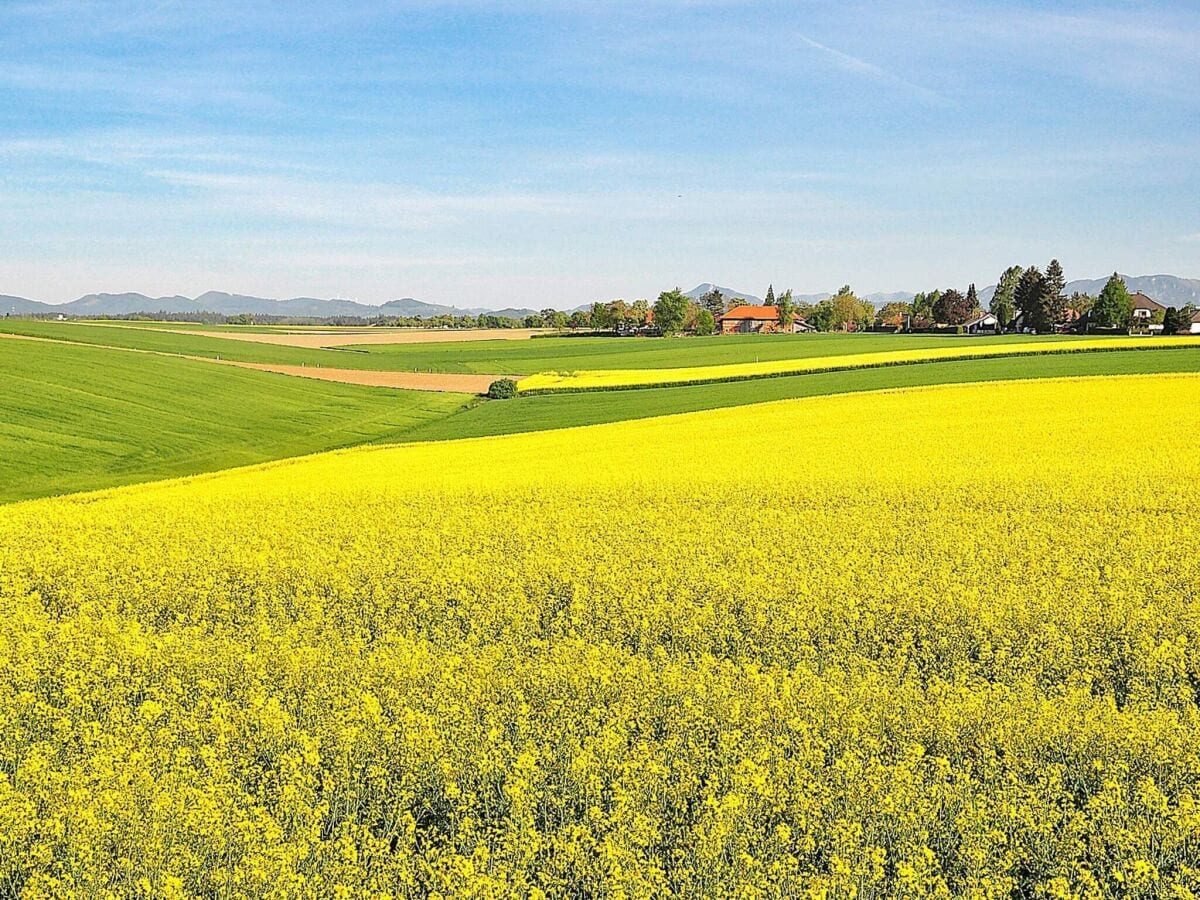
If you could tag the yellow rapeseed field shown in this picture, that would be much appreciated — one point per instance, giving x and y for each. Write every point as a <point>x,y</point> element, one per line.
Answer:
<point>941,642</point>
<point>610,379</point>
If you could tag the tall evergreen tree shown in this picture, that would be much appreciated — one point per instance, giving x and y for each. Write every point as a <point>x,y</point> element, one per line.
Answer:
<point>1030,300</point>
<point>972,299</point>
<point>1056,292</point>
<point>1004,303</point>
<point>770,301</point>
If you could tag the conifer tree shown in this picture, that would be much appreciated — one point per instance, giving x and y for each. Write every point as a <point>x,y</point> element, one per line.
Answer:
<point>1056,292</point>
<point>770,301</point>
<point>1004,304</point>
<point>1030,299</point>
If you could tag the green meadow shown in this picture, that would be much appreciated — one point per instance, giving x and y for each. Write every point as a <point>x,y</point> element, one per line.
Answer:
<point>503,357</point>
<point>537,413</point>
<point>76,418</point>
<point>79,417</point>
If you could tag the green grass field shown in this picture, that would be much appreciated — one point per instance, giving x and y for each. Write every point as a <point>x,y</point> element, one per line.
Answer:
<point>79,418</point>
<point>538,413</point>
<point>570,354</point>
<point>155,325</point>
<point>510,357</point>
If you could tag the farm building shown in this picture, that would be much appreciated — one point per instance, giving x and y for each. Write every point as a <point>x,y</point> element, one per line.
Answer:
<point>984,323</point>
<point>1195,329</point>
<point>756,320</point>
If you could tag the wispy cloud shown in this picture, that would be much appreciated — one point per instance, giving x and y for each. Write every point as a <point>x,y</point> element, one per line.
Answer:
<point>869,70</point>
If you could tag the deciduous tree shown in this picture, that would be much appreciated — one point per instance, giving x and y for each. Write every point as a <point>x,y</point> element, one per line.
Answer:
<point>951,308</point>
<point>787,309</point>
<point>895,314</point>
<point>602,317</point>
<point>670,310</point>
<point>848,311</point>
<point>1114,307</point>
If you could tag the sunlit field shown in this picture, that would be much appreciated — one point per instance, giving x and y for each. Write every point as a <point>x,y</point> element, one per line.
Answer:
<point>835,646</point>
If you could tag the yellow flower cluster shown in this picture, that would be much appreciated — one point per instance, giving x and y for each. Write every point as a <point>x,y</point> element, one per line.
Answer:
<point>610,379</point>
<point>943,642</point>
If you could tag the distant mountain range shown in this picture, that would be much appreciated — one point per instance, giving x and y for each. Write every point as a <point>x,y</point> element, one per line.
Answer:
<point>701,289</point>
<point>234,304</point>
<point>1169,290</point>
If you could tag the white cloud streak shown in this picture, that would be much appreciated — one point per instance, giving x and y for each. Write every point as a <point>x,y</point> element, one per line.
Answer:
<point>869,70</point>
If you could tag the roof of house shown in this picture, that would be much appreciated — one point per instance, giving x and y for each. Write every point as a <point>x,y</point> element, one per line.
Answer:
<point>1196,316</point>
<point>1141,301</point>
<point>756,313</point>
<point>975,320</point>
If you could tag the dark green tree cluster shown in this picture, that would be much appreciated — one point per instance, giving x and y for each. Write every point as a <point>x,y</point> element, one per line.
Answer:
<point>1041,297</point>
<point>714,302</point>
<point>1178,321</point>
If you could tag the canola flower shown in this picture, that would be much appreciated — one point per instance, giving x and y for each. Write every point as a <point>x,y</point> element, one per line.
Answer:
<point>927,643</point>
<point>617,379</point>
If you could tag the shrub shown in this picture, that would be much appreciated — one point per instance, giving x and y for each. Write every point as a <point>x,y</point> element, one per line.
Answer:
<point>502,389</point>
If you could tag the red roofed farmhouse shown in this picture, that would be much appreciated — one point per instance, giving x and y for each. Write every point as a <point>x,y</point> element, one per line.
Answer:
<point>755,320</point>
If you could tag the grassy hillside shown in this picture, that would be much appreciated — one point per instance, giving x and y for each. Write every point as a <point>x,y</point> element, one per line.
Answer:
<point>510,357</point>
<point>538,413</point>
<point>77,418</point>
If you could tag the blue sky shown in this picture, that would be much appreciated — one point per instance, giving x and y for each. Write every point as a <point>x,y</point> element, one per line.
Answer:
<point>555,153</point>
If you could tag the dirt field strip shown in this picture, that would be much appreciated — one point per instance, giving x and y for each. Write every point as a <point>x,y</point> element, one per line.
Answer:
<point>416,336</point>
<point>413,381</point>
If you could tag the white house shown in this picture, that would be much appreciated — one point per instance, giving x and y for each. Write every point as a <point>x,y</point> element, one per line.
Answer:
<point>1144,309</point>
<point>1195,329</point>
<point>984,323</point>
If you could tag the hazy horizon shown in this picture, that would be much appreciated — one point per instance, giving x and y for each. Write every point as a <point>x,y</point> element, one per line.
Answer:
<point>529,154</point>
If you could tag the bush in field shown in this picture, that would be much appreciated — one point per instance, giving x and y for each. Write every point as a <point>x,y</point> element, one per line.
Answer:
<point>502,389</point>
